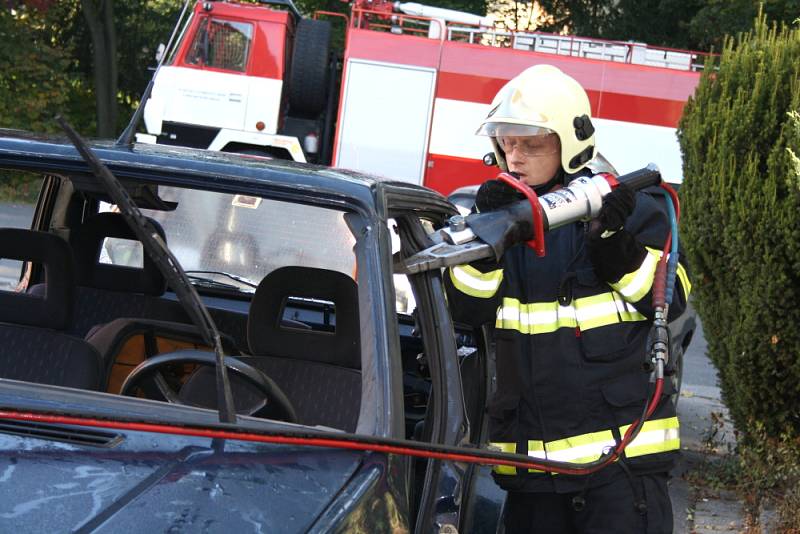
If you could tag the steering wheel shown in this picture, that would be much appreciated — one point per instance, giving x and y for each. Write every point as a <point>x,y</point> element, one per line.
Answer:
<point>275,400</point>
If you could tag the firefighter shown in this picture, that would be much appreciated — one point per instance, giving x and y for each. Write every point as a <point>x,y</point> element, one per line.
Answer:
<point>571,328</point>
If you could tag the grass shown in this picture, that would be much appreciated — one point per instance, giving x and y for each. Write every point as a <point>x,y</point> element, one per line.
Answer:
<point>762,471</point>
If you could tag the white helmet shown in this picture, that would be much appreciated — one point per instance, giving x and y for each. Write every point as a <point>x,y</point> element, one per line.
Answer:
<point>539,101</point>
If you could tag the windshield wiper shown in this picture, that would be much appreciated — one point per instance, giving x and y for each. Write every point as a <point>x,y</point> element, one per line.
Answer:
<point>167,263</point>
<point>210,283</point>
<point>241,279</point>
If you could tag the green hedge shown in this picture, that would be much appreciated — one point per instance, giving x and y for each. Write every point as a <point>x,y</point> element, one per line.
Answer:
<point>741,223</point>
<point>18,187</point>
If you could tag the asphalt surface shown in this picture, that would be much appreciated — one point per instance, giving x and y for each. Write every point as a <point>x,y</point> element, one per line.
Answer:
<point>706,435</point>
<point>698,369</point>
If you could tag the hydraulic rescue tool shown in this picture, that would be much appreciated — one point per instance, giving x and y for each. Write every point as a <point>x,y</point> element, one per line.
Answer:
<point>485,235</point>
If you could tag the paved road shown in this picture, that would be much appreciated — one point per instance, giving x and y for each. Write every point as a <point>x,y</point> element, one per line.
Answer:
<point>703,437</point>
<point>698,370</point>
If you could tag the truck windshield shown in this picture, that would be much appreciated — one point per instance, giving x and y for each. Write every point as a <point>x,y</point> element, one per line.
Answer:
<point>221,44</point>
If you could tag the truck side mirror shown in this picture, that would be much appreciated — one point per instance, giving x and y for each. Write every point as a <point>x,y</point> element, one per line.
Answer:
<point>160,52</point>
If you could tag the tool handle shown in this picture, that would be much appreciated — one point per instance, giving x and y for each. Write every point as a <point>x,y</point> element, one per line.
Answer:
<point>642,178</point>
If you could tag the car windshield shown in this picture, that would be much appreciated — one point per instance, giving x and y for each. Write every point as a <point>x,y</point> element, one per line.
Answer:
<point>234,241</point>
<point>277,277</point>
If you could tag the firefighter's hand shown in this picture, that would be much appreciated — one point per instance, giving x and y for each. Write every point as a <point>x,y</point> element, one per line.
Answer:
<point>494,194</point>
<point>617,207</point>
<point>613,251</point>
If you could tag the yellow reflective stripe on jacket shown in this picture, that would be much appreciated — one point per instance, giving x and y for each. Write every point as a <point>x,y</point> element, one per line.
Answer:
<point>684,278</point>
<point>474,283</point>
<point>585,313</point>
<point>656,436</point>
<point>626,310</point>
<point>580,449</point>
<point>659,435</point>
<point>536,450</point>
<point>504,447</point>
<point>634,286</point>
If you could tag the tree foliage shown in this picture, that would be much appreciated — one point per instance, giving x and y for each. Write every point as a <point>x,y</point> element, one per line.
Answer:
<point>136,27</point>
<point>692,24</point>
<point>34,79</point>
<point>50,61</point>
<point>741,192</point>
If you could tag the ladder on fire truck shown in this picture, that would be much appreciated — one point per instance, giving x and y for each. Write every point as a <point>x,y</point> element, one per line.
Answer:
<point>418,19</point>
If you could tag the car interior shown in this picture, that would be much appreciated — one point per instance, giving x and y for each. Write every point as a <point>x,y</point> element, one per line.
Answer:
<point>93,306</point>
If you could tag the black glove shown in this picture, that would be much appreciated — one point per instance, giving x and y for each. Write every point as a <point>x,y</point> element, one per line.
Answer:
<point>494,194</point>
<point>617,207</point>
<point>612,250</point>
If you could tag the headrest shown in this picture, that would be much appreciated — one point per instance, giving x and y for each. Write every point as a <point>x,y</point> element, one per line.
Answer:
<point>53,308</point>
<point>269,334</point>
<point>86,241</point>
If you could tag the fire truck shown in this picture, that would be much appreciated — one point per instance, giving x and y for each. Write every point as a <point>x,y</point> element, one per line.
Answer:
<point>405,92</point>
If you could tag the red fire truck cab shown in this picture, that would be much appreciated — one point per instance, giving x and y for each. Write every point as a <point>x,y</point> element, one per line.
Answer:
<point>406,94</point>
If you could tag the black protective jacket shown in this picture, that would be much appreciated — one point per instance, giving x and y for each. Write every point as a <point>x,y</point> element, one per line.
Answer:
<point>570,350</point>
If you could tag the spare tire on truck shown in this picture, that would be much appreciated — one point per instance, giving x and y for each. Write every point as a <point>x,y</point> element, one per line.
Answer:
<point>308,80</point>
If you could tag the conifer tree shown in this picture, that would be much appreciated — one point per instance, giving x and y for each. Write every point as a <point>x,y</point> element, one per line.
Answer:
<point>740,138</point>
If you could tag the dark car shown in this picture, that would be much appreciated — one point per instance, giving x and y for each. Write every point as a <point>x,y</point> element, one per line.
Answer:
<point>341,370</point>
<point>294,264</point>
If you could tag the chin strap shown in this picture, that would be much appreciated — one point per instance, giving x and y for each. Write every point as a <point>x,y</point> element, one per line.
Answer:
<point>541,189</point>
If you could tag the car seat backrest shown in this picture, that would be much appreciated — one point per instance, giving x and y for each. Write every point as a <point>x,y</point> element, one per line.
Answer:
<point>86,242</point>
<point>35,348</point>
<point>319,371</point>
<point>269,333</point>
<point>51,307</point>
<point>106,291</point>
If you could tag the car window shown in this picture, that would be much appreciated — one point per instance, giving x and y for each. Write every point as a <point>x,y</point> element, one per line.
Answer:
<point>18,194</point>
<point>226,236</point>
<point>404,297</point>
<point>221,44</point>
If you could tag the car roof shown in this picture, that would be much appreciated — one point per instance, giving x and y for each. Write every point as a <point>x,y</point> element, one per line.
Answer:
<point>220,171</point>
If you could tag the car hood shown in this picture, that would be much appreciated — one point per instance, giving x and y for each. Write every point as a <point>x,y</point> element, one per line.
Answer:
<point>147,482</point>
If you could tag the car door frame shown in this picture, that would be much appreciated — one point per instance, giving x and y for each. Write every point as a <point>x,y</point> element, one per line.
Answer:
<point>441,505</point>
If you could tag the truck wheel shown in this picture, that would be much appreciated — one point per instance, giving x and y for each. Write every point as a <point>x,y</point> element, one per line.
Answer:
<point>308,80</point>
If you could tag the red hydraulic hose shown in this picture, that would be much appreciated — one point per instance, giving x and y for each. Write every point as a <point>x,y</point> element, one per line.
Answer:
<point>343,441</point>
<point>675,200</point>
<point>368,443</point>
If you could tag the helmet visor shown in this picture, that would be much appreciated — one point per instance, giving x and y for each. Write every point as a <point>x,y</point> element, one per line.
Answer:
<point>500,129</point>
